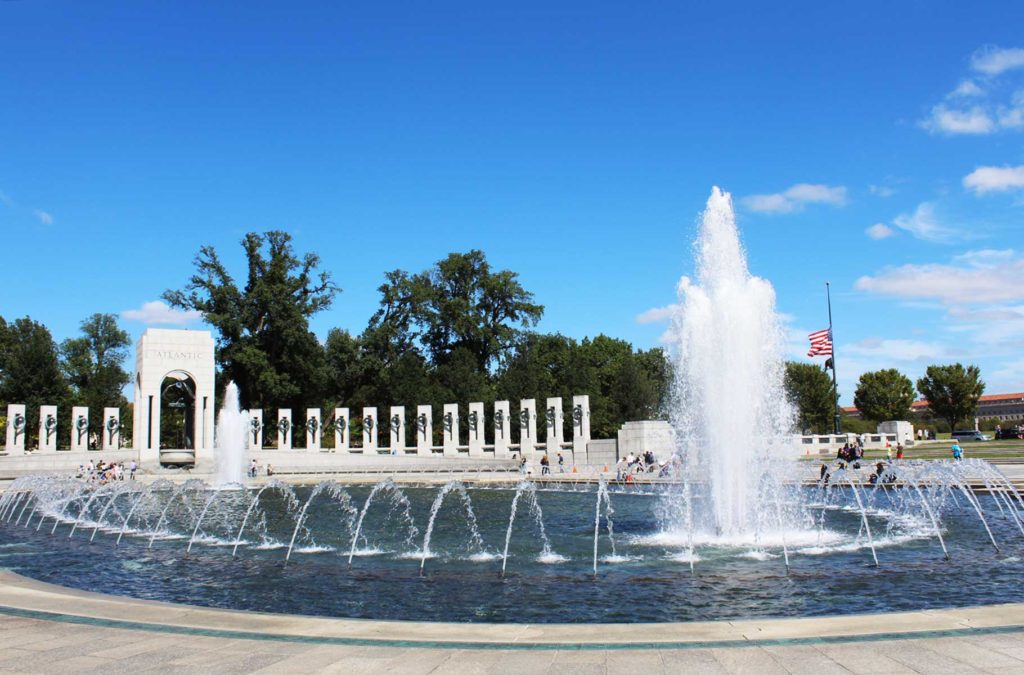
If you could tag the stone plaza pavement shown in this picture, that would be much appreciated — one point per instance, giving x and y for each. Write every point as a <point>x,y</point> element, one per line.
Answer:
<point>50,629</point>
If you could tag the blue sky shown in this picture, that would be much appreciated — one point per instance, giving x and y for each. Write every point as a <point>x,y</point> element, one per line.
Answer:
<point>876,147</point>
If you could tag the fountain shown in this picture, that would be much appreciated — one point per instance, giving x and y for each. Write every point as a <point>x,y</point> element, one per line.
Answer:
<point>232,439</point>
<point>741,530</point>
<point>731,413</point>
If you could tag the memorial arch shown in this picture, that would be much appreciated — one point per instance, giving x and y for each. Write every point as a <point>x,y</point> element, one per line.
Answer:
<point>174,384</point>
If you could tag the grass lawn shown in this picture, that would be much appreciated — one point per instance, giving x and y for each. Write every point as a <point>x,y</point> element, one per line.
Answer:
<point>1008,449</point>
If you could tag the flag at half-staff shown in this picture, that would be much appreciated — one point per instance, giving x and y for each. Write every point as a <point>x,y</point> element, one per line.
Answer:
<point>821,343</point>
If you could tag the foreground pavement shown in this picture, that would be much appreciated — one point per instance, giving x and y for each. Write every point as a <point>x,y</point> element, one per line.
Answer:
<point>50,629</point>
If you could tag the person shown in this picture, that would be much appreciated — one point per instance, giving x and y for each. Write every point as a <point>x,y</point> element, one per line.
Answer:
<point>958,452</point>
<point>621,467</point>
<point>561,463</point>
<point>888,452</point>
<point>899,451</point>
<point>252,468</point>
<point>522,465</point>
<point>545,465</point>
<point>132,468</point>
<point>270,470</point>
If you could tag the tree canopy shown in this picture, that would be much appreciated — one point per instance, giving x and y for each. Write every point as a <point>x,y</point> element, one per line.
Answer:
<point>459,304</point>
<point>30,370</point>
<point>94,363</point>
<point>264,343</point>
<point>884,395</point>
<point>810,389</point>
<point>952,391</point>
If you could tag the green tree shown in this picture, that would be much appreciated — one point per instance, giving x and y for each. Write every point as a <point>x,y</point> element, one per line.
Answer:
<point>94,365</point>
<point>952,391</point>
<point>30,371</point>
<point>884,395</point>
<point>264,343</point>
<point>810,389</point>
<point>459,305</point>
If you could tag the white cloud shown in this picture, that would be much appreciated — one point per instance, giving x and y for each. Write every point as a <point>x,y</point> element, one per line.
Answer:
<point>657,314</point>
<point>899,350</point>
<point>995,179</point>
<point>955,284</point>
<point>992,60</point>
<point>5,199</point>
<point>44,217</point>
<point>966,89</point>
<point>881,190</point>
<point>944,120</point>
<point>880,231</point>
<point>924,224</point>
<point>986,257</point>
<point>158,313</point>
<point>796,197</point>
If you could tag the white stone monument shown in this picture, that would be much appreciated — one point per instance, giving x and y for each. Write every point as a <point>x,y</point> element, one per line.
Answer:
<point>580,426</point>
<point>256,429</point>
<point>285,433</point>
<point>17,428</point>
<point>554,421</point>
<point>79,428</point>
<point>313,430</point>
<point>111,428</point>
<point>369,431</point>
<point>476,426</point>
<point>450,428</point>
<point>502,429</point>
<point>48,428</point>
<point>173,357</point>
<point>527,427</point>
<point>341,433</point>
<point>397,428</point>
<point>424,430</point>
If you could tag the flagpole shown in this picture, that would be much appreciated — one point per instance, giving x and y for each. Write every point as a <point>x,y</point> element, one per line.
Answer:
<point>837,424</point>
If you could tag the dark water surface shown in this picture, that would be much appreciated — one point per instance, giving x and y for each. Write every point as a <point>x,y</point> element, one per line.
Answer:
<point>647,584</point>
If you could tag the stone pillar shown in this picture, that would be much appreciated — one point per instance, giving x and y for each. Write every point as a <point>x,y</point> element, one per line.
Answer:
<point>424,430</point>
<point>313,430</point>
<point>502,429</point>
<point>477,429</point>
<point>47,428</point>
<point>255,429</point>
<point>527,427</point>
<point>450,435</point>
<point>17,428</point>
<point>397,425</point>
<point>341,439</point>
<point>369,431</point>
<point>554,420</point>
<point>284,429</point>
<point>79,428</point>
<point>111,428</point>
<point>580,427</point>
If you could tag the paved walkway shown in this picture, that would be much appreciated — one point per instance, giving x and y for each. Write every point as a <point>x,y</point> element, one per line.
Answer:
<point>45,628</point>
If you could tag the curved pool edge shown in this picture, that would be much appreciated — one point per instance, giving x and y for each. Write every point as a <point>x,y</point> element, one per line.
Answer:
<point>27,598</point>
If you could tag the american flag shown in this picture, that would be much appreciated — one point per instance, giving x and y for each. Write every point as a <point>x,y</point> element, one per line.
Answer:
<point>821,343</point>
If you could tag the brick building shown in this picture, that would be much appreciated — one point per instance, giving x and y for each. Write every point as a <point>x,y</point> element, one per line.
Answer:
<point>1002,407</point>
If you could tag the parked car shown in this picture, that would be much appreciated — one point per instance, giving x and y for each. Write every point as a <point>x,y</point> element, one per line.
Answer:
<point>970,435</point>
<point>1010,433</point>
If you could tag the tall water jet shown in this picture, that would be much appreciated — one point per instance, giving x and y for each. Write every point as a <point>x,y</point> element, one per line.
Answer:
<point>232,439</point>
<point>731,413</point>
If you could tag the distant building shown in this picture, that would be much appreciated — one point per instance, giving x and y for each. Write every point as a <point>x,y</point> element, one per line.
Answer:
<point>1002,407</point>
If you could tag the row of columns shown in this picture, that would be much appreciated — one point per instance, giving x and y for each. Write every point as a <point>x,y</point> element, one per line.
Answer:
<point>17,428</point>
<point>394,429</point>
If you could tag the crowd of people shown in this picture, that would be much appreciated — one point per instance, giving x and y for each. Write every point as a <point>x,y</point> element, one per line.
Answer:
<point>104,472</point>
